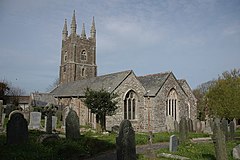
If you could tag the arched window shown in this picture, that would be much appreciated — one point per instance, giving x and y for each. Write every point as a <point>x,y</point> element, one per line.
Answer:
<point>171,104</point>
<point>83,55</point>
<point>130,105</point>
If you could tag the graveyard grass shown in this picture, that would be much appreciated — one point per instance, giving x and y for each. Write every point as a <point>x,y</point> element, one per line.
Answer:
<point>203,151</point>
<point>89,143</point>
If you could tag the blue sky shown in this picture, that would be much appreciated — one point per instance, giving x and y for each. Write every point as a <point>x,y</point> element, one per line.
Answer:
<point>195,39</point>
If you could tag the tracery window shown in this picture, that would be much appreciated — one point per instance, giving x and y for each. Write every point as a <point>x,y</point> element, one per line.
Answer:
<point>130,104</point>
<point>171,104</point>
<point>83,55</point>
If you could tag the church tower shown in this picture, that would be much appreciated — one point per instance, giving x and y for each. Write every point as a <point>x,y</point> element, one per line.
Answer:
<point>78,53</point>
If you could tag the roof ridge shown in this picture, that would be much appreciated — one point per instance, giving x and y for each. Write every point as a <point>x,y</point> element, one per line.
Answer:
<point>155,74</point>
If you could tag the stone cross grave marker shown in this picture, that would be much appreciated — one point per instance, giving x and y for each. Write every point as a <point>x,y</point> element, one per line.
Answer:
<point>218,138</point>
<point>125,142</point>
<point>17,130</point>
<point>173,144</point>
<point>72,125</point>
<point>35,120</point>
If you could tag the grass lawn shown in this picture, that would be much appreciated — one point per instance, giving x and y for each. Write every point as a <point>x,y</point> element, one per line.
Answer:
<point>94,143</point>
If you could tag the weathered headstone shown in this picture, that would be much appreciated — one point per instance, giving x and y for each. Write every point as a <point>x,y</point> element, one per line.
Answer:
<point>183,130</point>
<point>224,127</point>
<point>72,125</point>
<point>203,125</point>
<point>173,144</point>
<point>125,142</point>
<point>49,122</point>
<point>198,126</point>
<point>17,129</point>
<point>218,138</point>
<point>208,128</point>
<point>235,124</point>
<point>170,123</point>
<point>176,126</point>
<point>190,125</point>
<point>194,125</point>
<point>232,130</point>
<point>35,120</point>
<point>236,152</point>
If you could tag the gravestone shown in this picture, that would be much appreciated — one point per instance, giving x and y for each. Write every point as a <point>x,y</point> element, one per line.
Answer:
<point>1,112</point>
<point>183,130</point>
<point>232,130</point>
<point>125,142</point>
<point>72,125</point>
<point>170,123</point>
<point>194,125</point>
<point>35,120</point>
<point>224,127</point>
<point>198,126</point>
<point>3,117</point>
<point>218,138</point>
<point>236,152</point>
<point>49,122</point>
<point>235,124</point>
<point>17,129</point>
<point>208,128</point>
<point>176,126</point>
<point>64,114</point>
<point>190,125</point>
<point>203,126</point>
<point>173,144</point>
<point>54,122</point>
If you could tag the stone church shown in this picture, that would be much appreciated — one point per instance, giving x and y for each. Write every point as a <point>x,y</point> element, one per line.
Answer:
<point>144,100</point>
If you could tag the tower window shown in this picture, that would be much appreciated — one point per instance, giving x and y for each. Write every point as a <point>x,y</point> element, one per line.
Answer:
<point>65,56</point>
<point>83,55</point>
<point>130,105</point>
<point>83,72</point>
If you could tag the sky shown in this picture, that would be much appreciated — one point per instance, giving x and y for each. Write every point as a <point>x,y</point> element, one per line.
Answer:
<point>195,39</point>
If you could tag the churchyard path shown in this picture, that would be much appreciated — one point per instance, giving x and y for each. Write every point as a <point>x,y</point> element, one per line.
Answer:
<point>140,149</point>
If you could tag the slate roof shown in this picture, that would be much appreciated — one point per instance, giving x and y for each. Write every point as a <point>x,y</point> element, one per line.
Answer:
<point>153,82</point>
<point>108,82</point>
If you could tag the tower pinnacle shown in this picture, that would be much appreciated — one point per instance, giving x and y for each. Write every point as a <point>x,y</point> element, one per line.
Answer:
<point>73,24</point>
<point>83,35</point>
<point>93,29</point>
<point>65,31</point>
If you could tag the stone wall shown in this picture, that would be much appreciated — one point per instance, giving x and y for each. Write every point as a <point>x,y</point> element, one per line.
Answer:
<point>130,83</point>
<point>159,114</point>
